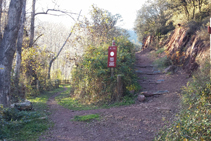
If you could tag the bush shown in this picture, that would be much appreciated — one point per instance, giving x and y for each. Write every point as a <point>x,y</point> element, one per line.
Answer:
<point>193,121</point>
<point>92,81</point>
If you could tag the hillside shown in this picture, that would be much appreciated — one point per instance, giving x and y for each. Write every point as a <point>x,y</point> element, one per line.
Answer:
<point>185,50</point>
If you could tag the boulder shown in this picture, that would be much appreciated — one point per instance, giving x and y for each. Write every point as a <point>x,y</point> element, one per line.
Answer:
<point>141,98</point>
<point>26,105</point>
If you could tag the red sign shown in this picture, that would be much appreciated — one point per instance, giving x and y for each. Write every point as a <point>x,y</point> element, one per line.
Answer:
<point>112,53</point>
<point>209,30</point>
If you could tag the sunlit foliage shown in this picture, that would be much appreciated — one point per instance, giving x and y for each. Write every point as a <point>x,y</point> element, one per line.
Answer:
<point>193,122</point>
<point>91,79</point>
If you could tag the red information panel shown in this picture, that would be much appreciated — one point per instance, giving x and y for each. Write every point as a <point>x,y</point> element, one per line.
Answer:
<point>209,30</point>
<point>112,53</point>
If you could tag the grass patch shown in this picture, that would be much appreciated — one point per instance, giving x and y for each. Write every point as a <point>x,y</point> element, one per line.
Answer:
<point>39,103</point>
<point>65,100</point>
<point>26,125</point>
<point>86,118</point>
<point>126,101</point>
<point>159,51</point>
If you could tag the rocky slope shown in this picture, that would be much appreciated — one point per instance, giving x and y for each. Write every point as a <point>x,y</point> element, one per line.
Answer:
<point>183,48</point>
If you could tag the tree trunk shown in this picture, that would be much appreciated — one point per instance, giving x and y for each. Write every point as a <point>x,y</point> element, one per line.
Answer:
<point>184,3</point>
<point>15,97</point>
<point>200,3</point>
<point>0,20</point>
<point>194,9</point>
<point>7,50</point>
<point>32,24</point>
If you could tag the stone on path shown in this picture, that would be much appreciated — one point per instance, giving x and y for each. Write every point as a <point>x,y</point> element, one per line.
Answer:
<point>141,98</point>
<point>139,71</point>
<point>160,80</point>
<point>148,94</point>
<point>151,81</point>
<point>162,92</point>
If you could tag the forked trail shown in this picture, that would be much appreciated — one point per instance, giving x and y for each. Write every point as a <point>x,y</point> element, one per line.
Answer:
<point>138,122</point>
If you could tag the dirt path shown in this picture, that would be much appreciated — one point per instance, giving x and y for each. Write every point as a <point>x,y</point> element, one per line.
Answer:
<point>138,122</point>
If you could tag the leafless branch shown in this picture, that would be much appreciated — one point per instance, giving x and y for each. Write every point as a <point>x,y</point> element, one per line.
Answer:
<point>56,10</point>
<point>37,38</point>
<point>54,58</point>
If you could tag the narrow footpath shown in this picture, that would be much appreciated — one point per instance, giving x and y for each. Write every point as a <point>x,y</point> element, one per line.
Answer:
<point>138,122</point>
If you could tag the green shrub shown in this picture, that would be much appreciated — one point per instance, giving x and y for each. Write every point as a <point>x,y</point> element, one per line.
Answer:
<point>92,81</point>
<point>193,122</point>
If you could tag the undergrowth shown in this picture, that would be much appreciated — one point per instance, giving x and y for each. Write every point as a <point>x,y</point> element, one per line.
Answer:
<point>193,122</point>
<point>26,125</point>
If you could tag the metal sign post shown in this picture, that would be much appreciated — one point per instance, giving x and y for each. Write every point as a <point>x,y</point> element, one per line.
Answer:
<point>112,55</point>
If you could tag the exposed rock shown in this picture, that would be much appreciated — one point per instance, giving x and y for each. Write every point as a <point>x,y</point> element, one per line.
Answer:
<point>141,98</point>
<point>183,50</point>
<point>26,105</point>
<point>148,94</point>
<point>147,41</point>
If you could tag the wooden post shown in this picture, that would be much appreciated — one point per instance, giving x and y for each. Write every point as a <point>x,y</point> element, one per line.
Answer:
<point>119,87</point>
<point>112,72</point>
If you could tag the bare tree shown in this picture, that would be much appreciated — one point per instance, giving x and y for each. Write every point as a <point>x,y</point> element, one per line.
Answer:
<point>54,58</point>
<point>33,15</point>
<point>18,52</point>
<point>7,49</point>
<point>32,24</point>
